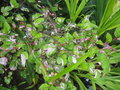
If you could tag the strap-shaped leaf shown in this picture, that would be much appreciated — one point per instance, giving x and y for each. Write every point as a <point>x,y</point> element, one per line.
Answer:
<point>75,9</point>
<point>108,12</point>
<point>111,24</point>
<point>100,8</point>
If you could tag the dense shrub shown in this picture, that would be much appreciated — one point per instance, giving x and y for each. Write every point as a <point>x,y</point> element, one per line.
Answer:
<point>41,48</point>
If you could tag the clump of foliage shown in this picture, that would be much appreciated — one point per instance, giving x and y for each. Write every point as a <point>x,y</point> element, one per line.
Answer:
<point>41,48</point>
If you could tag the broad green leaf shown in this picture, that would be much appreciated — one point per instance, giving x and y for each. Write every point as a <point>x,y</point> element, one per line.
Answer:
<point>5,10</point>
<point>99,42</point>
<point>108,38</point>
<point>62,40</point>
<point>38,22</point>
<point>49,49</point>
<point>14,3</point>
<point>35,34</point>
<point>117,32</point>
<point>36,16</point>
<point>64,59</point>
<point>59,60</point>
<point>102,57</point>
<point>60,20</point>
<point>13,65</point>
<point>76,36</point>
<point>6,28</point>
<point>84,66</point>
<point>19,17</point>
<point>44,87</point>
<point>38,35</point>
<point>2,19</point>
<point>68,37</point>
<point>54,9</point>
<point>71,46</point>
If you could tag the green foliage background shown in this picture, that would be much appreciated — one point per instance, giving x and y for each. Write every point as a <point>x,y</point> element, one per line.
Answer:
<point>59,45</point>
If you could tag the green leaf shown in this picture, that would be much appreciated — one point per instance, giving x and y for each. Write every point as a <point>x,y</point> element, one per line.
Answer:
<point>14,3</point>
<point>38,23</point>
<point>114,58</point>
<point>31,1</point>
<point>44,87</point>
<point>19,17</point>
<point>84,66</point>
<point>68,37</point>
<point>81,84</point>
<point>62,40</point>
<point>24,57</point>
<point>54,9</point>
<point>49,49</point>
<point>69,68</point>
<point>117,32</point>
<point>64,58</point>
<point>60,20</point>
<point>76,36</point>
<point>5,10</point>
<point>74,11</point>
<point>99,42</point>
<point>110,19</point>
<point>75,50</point>
<point>102,57</point>
<point>108,38</point>
<point>25,54</point>
<point>59,60</point>
<point>100,8</point>
<point>39,35</point>
<point>6,28</point>
<point>36,16</point>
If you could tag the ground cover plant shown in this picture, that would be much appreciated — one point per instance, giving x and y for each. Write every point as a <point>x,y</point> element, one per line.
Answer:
<point>59,45</point>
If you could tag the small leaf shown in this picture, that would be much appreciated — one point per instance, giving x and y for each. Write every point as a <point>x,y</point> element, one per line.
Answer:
<point>5,10</point>
<point>62,40</point>
<point>74,60</point>
<point>24,56</point>
<point>36,16</point>
<point>3,61</point>
<point>75,34</point>
<point>38,21</point>
<point>108,38</point>
<point>49,49</point>
<point>117,32</point>
<point>14,3</point>
<point>69,37</point>
<point>75,50</point>
<point>19,17</point>
<point>60,19</point>
<point>6,28</point>
<point>64,57</point>
<point>59,60</point>
<point>44,87</point>
<point>99,42</point>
